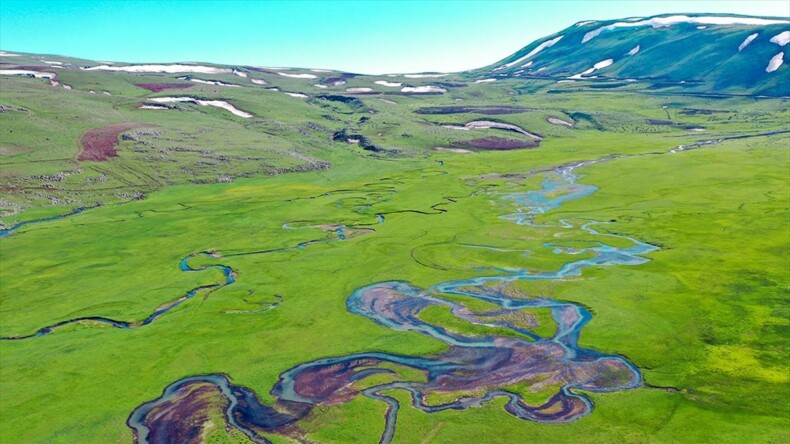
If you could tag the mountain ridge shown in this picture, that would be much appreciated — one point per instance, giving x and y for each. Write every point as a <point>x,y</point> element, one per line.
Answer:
<point>697,53</point>
<point>700,52</point>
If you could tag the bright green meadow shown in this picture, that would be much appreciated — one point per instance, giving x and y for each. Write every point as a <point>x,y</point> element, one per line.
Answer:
<point>705,320</point>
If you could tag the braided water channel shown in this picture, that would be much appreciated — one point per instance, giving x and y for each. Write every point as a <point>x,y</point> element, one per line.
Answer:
<point>477,369</point>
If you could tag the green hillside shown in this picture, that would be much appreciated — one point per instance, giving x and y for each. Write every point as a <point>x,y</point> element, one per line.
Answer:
<point>678,52</point>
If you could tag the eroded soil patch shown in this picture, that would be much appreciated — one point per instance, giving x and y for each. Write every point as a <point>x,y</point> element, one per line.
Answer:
<point>98,144</point>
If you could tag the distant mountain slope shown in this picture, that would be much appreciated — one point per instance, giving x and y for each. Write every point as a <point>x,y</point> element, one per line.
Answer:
<point>699,52</point>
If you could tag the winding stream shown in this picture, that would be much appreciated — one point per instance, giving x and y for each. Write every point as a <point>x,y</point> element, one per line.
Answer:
<point>5,232</point>
<point>473,371</point>
<point>229,278</point>
<point>342,232</point>
<point>229,274</point>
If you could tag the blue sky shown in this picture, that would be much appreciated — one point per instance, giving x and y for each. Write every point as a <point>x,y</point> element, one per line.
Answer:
<point>358,36</point>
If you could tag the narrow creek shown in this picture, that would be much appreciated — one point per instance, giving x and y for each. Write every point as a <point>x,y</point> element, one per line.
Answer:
<point>229,278</point>
<point>5,232</point>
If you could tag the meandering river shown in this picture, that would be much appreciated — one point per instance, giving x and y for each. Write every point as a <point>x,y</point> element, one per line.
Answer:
<point>475,369</point>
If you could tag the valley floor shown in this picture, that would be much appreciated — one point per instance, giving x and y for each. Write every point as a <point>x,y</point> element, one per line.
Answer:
<point>676,259</point>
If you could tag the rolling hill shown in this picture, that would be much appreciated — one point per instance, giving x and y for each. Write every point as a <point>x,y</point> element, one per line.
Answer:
<point>702,53</point>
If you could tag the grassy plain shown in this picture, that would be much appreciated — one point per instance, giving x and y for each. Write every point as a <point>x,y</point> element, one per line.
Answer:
<point>705,319</point>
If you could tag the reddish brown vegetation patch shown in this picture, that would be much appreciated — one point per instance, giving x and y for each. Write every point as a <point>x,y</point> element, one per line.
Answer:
<point>498,143</point>
<point>326,383</point>
<point>157,87</point>
<point>182,419</point>
<point>98,144</point>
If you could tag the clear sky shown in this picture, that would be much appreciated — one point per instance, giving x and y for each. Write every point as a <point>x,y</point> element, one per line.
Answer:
<point>357,36</point>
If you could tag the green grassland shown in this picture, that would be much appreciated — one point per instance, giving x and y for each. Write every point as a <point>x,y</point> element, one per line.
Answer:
<point>705,320</point>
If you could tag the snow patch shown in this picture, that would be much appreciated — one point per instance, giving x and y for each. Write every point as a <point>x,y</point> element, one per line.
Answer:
<point>603,64</point>
<point>776,62</point>
<point>52,63</point>
<point>747,41</point>
<point>485,81</point>
<point>216,103</point>
<point>781,39</point>
<point>452,150</point>
<point>387,84</point>
<point>486,124</point>
<point>318,85</point>
<point>556,121</point>
<point>663,22</point>
<point>298,76</point>
<point>240,73</point>
<point>153,107</point>
<point>422,89</point>
<point>8,54</point>
<point>359,90</point>
<point>634,51</point>
<point>258,81</point>
<point>539,48</point>
<point>169,69</point>
<point>297,95</point>
<point>528,64</point>
<point>208,82</point>
<point>26,73</point>
<point>600,65</point>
